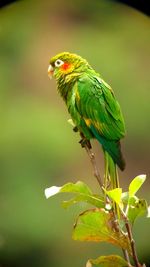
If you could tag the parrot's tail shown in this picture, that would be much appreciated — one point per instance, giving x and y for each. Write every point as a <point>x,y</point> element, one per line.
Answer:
<point>111,178</point>
<point>111,174</point>
<point>112,147</point>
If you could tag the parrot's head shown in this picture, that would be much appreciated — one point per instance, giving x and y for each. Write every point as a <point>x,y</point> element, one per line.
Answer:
<point>66,63</point>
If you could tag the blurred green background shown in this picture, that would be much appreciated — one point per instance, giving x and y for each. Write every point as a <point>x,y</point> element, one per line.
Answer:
<point>37,146</point>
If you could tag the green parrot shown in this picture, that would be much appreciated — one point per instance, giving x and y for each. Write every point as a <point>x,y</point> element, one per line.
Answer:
<point>92,105</point>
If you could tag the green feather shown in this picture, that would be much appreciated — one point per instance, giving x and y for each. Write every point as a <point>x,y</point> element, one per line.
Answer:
<point>112,147</point>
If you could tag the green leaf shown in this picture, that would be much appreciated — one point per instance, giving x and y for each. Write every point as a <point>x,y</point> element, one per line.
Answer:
<point>78,187</point>
<point>133,200</point>
<point>91,199</point>
<point>138,209</point>
<point>125,197</point>
<point>108,261</point>
<point>82,193</point>
<point>98,225</point>
<point>136,184</point>
<point>115,195</point>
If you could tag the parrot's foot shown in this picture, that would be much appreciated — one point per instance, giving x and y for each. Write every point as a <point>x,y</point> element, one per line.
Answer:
<point>75,129</point>
<point>84,142</point>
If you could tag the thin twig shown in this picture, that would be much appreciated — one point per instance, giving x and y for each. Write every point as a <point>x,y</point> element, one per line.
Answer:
<point>132,242</point>
<point>93,161</point>
<point>126,256</point>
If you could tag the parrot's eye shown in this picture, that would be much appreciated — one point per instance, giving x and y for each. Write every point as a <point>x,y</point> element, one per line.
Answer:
<point>58,63</point>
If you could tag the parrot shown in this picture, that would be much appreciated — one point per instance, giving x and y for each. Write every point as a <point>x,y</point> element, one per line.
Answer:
<point>93,107</point>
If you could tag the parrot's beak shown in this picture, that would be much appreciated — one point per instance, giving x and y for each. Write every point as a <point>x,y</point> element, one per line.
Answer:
<point>50,71</point>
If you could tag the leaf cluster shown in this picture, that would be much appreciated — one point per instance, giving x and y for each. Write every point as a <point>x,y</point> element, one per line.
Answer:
<point>98,224</point>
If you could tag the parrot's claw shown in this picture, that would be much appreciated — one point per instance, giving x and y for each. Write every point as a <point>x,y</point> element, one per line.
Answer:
<point>84,142</point>
<point>75,129</point>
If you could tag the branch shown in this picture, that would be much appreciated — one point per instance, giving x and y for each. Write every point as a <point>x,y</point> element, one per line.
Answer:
<point>126,256</point>
<point>93,161</point>
<point>132,242</point>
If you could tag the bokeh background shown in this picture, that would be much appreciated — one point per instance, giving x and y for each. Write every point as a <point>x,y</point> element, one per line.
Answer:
<point>37,146</point>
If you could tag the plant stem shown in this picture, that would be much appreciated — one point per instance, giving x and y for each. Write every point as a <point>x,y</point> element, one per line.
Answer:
<point>98,177</point>
<point>93,161</point>
<point>126,256</point>
<point>132,242</point>
<point>127,224</point>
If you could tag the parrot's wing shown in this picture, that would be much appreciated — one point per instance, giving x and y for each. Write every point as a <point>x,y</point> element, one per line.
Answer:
<point>97,105</point>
